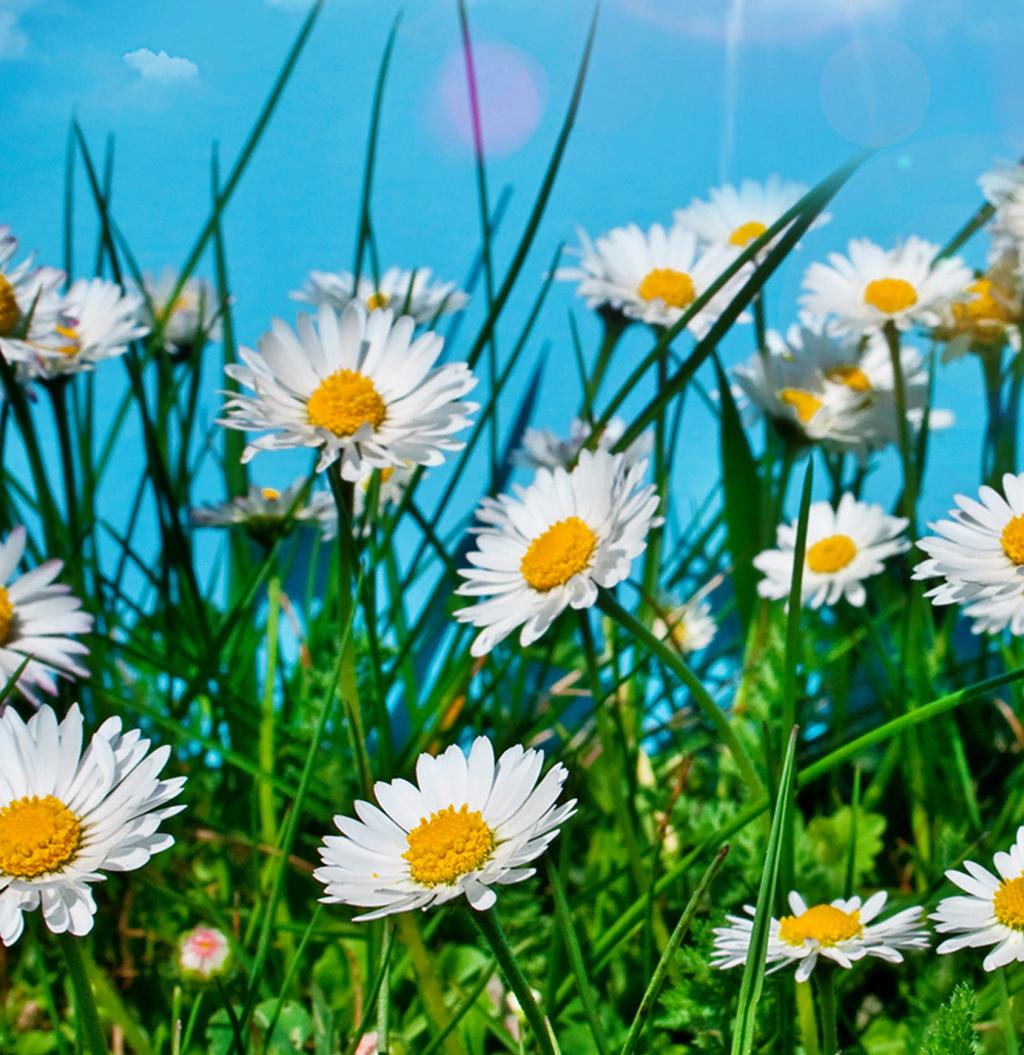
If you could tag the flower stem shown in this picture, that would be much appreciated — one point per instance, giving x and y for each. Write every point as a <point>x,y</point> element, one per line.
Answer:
<point>491,929</point>
<point>1006,1015</point>
<point>805,1018</point>
<point>268,822</point>
<point>85,1003</point>
<point>827,1007</point>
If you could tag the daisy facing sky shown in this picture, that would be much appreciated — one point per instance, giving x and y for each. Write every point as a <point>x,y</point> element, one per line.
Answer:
<point>68,816</point>
<point>550,546</point>
<point>468,824</point>
<point>361,388</point>
<point>992,913</point>
<point>871,286</point>
<point>653,276</point>
<point>844,547</point>
<point>842,932</point>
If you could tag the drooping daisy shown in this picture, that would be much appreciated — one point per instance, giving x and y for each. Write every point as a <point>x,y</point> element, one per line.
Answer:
<point>97,320</point>
<point>545,449</point>
<point>29,297</point>
<point>989,317</point>
<point>204,953</point>
<point>872,287</point>
<point>68,816</point>
<point>468,824</point>
<point>841,932</point>
<point>736,216</point>
<point>653,276</point>
<point>191,320</point>
<point>361,388</point>
<point>844,547</point>
<point>38,619</point>
<point>412,293</point>
<point>1003,187</point>
<point>979,553</point>
<point>550,546</point>
<point>265,512</point>
<point>690,626</point>
<point>992,913</point>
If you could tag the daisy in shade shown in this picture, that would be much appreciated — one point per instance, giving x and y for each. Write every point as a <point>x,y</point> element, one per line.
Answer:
<point>413,293</point>
<point>545,449</point>
<point>873,287</point>
<point>844,547</point>
<point>992,913</point>
<point>68,816</point>
<point>736,216</point>
<point>841,932</point>
<point>468,824</point>
<point>360,388</point>
<point>550,546</point>
<point>690,626</point>
<point>192,319</point>
<point>39,620</point>
<point>979,555</point>
<point>264,511</point>
<point>989,316</point>
<point>1003,187</point>
<point>29,297</point>
<point>97,320</point>
<point>653,276</point>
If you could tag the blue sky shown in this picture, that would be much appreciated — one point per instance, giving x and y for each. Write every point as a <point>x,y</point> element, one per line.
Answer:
<point>680,94</point>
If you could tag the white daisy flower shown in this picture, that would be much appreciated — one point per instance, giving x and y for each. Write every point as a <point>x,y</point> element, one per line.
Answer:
<point>844,547</point>
<point>993,911</point>
<point>1003,187</point>
<point>361,388</point>
<point>736,216</point>
<point>979,554</point>
<point>989,316</point>
<point>204,953</point>
<point>690,626</point>
<point>411,293</point>
<point>39,620</point>
<point>550,546</point>
<point>66,817</point>
<point>194,317</point>
<point>265,511</point>
<point>29,295</point>
<point>97,320</point>
<point>545,449</point>
<point>653,276</point>
<point>871,287</point>
<point>466,825</point>
<point>841,932</point>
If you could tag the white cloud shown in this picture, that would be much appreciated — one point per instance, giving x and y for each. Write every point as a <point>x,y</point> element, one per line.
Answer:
<point>13,38</point>
<point>160,67</point>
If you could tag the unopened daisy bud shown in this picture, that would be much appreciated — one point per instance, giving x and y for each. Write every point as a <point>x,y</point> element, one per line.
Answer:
<point>204,953</point>
<point>367,1044</point>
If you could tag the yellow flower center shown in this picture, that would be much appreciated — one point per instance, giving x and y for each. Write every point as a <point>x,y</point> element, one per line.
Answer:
<point>1008,904</point>
<point>825,924</point>
<point>270,494</point>
<point>561,552</point>
<point>747,232</point>
<point>890,295</point>
<point>990,308</point>
<point>451,844</point>
<point>70,334</point>
<point>37,837</point>
<point>675,288</point>
<point>344,402</point>
<point>851,376</point>
<point>6,615</point>
<point>831,554</point>
<point>1012,540</point>
<point>806,404</point>
<point>9,312</point>
<point>378,300</point>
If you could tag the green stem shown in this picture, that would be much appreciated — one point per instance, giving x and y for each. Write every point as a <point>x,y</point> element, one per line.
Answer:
<point>1006,1015</point>
<point>491,929</point>
<point>827,1007</point>
<point>268,822</point>
<point>806,1020</point>
<point>614,326</point>
<point>384,994</point>
<point>85,1004</point>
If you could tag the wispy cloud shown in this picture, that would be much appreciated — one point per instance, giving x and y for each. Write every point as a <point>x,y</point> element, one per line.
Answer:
<point>160,67</point>
<point>13,38</point>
